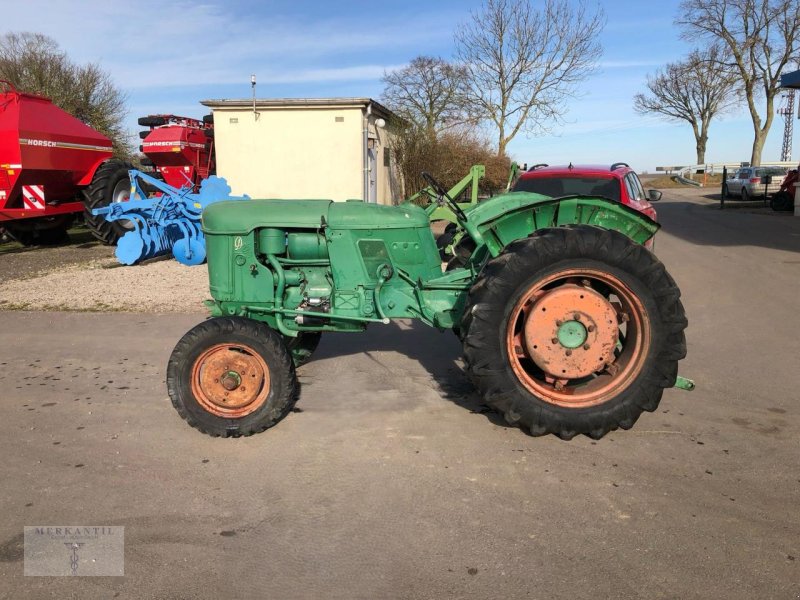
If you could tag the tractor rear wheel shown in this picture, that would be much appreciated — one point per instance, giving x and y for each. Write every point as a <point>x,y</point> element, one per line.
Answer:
<point>574,330</point>
<point>111,183</point>
<point>303,346</point>
<point>231,377</point>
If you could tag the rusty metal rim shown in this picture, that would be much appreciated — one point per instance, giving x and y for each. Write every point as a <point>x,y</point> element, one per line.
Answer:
<point>604,385</point>
<point>212,396</point>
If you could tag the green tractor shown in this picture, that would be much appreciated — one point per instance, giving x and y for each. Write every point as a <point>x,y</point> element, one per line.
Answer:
<point>569,325</point>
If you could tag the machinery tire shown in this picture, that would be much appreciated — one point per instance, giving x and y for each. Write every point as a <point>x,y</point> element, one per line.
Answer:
<point>144,134</point>
<point>43,231</point>
<point>100,192</point>
<point>593,405</point>
<point>303,346</point>
<point>208,119</point>
<point>781,202</point>
<point>215,355</point>
<point>209,133</point>
<point>152,121</point>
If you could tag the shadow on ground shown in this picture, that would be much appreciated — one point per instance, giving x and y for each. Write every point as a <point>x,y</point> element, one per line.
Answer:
<point>704,225</point>
<point>438,352</point>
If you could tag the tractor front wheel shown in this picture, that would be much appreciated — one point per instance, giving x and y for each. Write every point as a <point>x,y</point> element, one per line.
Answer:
<point>231,377</point>
<point>575,330</point>
<point>111,183</point>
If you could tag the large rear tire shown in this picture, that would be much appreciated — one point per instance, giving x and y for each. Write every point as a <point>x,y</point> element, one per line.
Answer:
<point>111,183</point>
<point>606,340</point>
<point>231,377</point>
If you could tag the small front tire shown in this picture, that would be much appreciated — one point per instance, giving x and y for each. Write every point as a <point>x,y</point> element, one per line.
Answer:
<point>231,377</point>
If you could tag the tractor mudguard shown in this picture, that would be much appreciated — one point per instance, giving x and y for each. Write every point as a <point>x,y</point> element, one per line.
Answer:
<point>509,217</point>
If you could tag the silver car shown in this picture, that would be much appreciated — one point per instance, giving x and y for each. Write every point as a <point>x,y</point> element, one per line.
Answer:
<point>747,182</point>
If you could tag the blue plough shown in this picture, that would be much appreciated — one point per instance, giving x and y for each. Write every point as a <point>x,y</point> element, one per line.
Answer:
<point>167,222</point>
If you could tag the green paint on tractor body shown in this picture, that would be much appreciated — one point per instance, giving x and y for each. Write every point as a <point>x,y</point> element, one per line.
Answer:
<point>317,265</point>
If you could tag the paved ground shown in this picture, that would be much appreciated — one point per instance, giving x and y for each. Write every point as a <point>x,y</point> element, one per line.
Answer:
<point>392,481</point>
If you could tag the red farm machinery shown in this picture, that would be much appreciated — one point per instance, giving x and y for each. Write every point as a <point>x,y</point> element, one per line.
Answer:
<point>52,168</point>
<point>180,149</point>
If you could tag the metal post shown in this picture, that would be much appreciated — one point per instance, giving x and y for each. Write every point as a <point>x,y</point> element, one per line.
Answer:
<point>724,189</point>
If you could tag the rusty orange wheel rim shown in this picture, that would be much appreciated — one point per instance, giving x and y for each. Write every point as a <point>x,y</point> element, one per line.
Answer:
<point>230,380</point>
<point>578,337</point>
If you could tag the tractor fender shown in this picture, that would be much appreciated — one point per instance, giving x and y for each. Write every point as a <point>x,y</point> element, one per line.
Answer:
<point>516,215</point>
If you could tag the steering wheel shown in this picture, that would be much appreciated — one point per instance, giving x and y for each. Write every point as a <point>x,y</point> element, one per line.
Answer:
<point>444,197</point>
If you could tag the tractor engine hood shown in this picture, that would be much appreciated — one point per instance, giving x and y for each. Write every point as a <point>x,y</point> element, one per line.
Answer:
<point>240,218</point>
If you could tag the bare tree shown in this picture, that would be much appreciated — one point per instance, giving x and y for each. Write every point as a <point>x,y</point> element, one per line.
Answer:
<point>694,90</point>
<point>762,37</point>
<point>429,93</point>
<point>34,63</point>
<point>523,63</point>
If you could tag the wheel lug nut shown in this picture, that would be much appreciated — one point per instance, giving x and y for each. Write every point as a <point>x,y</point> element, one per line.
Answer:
<point>569,352</point>
<point>554,340</point>
<point>558,386</point>
<point>586,346</point>
<point>624,317</point>
<point>590,328</point>
<point>576,316</point>
<point>559,322</point>
<point>585,283</point>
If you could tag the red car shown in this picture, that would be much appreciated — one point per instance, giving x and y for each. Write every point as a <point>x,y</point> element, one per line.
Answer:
<point>618,182</point>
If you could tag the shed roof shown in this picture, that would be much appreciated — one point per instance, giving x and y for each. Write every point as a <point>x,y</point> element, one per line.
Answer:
<point>791,80</point>
<point>223,103</point>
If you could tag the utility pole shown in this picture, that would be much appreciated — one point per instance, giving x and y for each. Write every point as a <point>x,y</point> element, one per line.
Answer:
<point>787,112</point>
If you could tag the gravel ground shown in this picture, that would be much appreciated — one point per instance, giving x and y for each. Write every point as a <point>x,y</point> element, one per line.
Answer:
<point>161,285</point>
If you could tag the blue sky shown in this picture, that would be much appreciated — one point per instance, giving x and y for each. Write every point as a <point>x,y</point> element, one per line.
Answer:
<point>169,55</point>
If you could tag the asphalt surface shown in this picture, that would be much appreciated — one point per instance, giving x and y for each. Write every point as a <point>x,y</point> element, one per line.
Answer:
<point>391,480</point>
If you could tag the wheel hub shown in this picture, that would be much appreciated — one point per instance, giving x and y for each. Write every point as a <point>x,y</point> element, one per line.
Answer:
<point>571,332</point>
<point>230,381</point>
